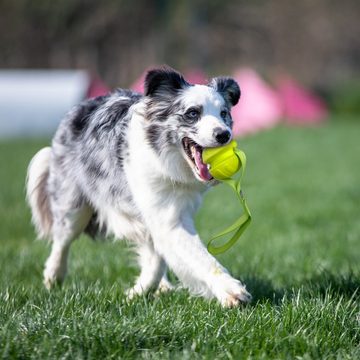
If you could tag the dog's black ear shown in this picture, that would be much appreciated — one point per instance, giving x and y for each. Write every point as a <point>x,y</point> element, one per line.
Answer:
<point>228,88</point>
<point>164,81</point>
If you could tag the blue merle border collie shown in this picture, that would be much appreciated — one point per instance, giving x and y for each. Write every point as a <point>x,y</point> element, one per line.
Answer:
<point>130,165</point>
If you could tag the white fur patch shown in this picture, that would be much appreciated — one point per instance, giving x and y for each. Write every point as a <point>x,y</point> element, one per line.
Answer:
<point>212,103</point>
<point>37,169</point>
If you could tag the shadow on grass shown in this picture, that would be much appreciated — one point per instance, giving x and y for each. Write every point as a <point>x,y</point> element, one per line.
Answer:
<point>263,290</point>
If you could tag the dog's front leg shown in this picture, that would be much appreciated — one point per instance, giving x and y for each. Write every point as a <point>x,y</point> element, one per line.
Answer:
<point>167,215</point>
<point>198,270</point>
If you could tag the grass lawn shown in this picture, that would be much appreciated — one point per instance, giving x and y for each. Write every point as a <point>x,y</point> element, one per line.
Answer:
<point>300,259</point>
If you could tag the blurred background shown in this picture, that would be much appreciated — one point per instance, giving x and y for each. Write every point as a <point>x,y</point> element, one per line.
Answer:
<point>304,48</point>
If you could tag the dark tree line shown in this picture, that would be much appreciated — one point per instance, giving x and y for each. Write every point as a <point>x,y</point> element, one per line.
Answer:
<point>318,41</point>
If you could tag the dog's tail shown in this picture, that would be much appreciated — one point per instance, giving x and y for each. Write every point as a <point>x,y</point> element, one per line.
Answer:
<point>37,193</point>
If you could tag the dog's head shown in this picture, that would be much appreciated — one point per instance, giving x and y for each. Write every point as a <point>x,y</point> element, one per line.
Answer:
<point>188,118</point>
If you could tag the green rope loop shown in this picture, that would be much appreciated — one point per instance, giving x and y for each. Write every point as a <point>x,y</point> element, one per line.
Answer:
<point>239,226</point>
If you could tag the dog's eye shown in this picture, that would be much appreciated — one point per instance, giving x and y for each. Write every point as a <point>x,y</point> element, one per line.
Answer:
<point>193,114</point>
<point>224,114</point>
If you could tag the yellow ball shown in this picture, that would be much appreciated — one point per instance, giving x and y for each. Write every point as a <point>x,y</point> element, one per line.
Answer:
<point>223,161</point>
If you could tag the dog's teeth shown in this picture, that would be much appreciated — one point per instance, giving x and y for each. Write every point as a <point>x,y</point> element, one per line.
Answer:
<point>208,166</point>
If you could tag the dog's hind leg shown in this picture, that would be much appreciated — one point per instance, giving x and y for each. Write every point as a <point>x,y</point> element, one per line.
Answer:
<point>68,223</point>
<point>153,270</point>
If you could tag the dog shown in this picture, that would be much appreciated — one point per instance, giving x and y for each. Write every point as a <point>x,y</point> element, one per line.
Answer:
<point>130,165</point>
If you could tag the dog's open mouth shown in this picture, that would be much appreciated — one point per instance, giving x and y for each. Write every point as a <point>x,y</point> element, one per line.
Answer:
<point>193,152</point>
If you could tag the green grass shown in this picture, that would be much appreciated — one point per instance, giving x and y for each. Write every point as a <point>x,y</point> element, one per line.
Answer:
<point>299,258</point>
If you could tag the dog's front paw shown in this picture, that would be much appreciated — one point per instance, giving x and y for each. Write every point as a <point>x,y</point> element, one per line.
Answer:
<point>229,291</point>
<point>53,276</point>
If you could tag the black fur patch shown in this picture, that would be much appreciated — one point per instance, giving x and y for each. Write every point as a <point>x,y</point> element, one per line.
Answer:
<point>83,113</point>
<point>164,82</point>
<point>95,170</point>
<point>121,143</point>
<point>160,110</point>
<point>116,111</point>
<point>159,135</point>
<point>228,88</point>
<point>153,134</point>
<point>94,230</point>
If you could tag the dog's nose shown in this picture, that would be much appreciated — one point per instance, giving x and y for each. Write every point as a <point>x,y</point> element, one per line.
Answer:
<point>222,136</point>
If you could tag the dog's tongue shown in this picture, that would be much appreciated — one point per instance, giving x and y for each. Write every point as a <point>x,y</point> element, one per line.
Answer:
<point>203,169</point>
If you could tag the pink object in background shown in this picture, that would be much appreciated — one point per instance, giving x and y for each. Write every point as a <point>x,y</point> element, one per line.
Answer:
<point>300,105</point>
<point>96,88</point>
<point>196,76</point>
<point>138,85</point>
<point>260,106</point>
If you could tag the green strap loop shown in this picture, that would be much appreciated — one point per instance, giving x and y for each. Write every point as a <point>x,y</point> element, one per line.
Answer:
<point>240,224</point>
